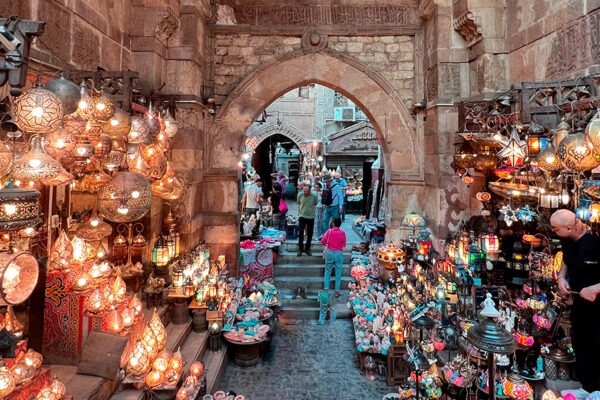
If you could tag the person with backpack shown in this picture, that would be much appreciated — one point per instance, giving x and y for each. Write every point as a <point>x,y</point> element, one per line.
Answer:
<point>278,206</point>
<point>332,199</point>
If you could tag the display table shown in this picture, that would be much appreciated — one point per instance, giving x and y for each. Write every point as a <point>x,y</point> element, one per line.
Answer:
<point>246,354</point>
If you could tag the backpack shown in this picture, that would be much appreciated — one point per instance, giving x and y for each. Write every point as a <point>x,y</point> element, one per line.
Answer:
<point>283,208</point>
<point>327,195</point>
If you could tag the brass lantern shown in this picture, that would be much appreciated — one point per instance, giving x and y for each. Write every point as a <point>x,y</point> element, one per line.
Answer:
<point>36,164</point>
<point>61,253</point>
<point>139,131</point>
<point>563,129</point>
<point>118,126</point>
<point>465,156</point>
<point>104,107</point>
<point>548,161</point>
<point>125,198</point>
<point>19,208</point>
<point>37,110</point>
<point>137,163</point>
<point>150,343</point>
<point>85,107</point>
<point>67,92</point>
<point>170,125</point>
<point>18,277</point>
<point>485,160</point>
<point>6,159</point>
<point>153,121</point>
<point>94,229</point>
<point>119,251</point>
<point>7,381</point>
<point>114,159</point>
<point>74,124</point>
<point>102,146</point>
<point>157,161</point>
<point>173,240</point>
<point>22,373</point>
<point>95,302</point>
<point>81,281</point>
<point>138,363</point>
<point>137,247</point>
<point>159,330</point>
<point>577,153</point>
<point>93,130</point>
<point>160,253</point>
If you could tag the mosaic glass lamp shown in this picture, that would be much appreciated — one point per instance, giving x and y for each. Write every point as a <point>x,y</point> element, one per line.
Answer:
<point>37,110</point>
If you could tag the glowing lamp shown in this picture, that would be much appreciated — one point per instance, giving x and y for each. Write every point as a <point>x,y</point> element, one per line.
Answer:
<point>583,210</point>
<point>516,387</point>
<point>490,243</point>
<point>173,240</point>
<point>128,317</point>
<point>160,253</point>
<point>82,281</point>
<point>104,107</point>
<point>33,359</point>
<point>37,111</point>
<point>149,341</point>
<point>58,388</point>
<point>138,363</point>
<point>159,330</point>
<point>95,302</point>
<point>161,363</point>
<point>7,381</point>
<point>476,258</point>
<point>197,369</point>
<point>115,322</point>
<point>136,305</point>
<point>154,379</point>
<point>176,362</point>
<point>413,220</point>
<point>36,165</point>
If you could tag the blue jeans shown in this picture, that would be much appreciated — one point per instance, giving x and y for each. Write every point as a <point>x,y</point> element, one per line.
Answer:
<point>329,213</point>
<point>334,259</point>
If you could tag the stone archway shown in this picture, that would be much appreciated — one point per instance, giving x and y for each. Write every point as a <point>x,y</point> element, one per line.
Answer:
<point>401,143</point>
<point>267,131</point>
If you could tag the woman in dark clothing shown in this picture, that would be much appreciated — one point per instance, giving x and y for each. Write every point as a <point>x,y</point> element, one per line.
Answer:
<point>278,218</point>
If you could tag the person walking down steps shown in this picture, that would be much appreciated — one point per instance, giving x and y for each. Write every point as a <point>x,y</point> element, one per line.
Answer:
<point>334,241</point>
<point>307,201</point>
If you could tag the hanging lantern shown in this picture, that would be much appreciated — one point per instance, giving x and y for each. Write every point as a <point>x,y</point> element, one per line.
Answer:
<point>476,258</point>
<point>118,126</point>
<point>153,121</point>
<point>101,270</point>
<point>170,125</point>
<point>58,388</point>
<point>563,129</point>
<point>548,161</point>
<point>485,160</point>
<point>577,153</point>
<point>33,359</point>
<point>156,160</point>
<point>550,200</point>
<point>139,132</point>
<point>19,208</point>
<point>115,322</point>
<point>12,324</point>
<point>159,330</point>
<point>536,141</point>
<point>176,362</point>
<point>104,107</point>
<point>583,210</point>
<point>103,146</point>
<point>6,159</point>
<point>150,343</point>
<point>85,107</point>
<point>95,302</point>
<point>137,163</point>
<point>79,250</point>
<point>101,252</point>
<point>128,317</point>
<point>154,379</point>
<point>513,148</point>
<point>465,156</point>
<point>138,363</point>
<point>173,240</point>
<point>592,130</point>
<point>137,247</point>
<point>119,253</point>
<point>7,380</point>
<point>114,159</point>
<point>59,143</point>
<point>125,198</point>
<point>136,305</point>
<point>168,187</point>
<point>18,277</point>
<point>37,111</point>
<point>93,130</point>
<point>83,151</point>
<point>94,229</point>
<point>63,178</point>
<point>516,387</point>
<point>160,253</point>
<point>161,363</point>
<point>46,394</point>
<point>36,164</point>
<point>66,91</point>
<point>197,369</point>
<point>82,281</point>
<point>97,179</point>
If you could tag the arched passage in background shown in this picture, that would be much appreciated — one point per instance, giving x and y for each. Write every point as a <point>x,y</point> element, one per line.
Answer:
<point>402,146</point>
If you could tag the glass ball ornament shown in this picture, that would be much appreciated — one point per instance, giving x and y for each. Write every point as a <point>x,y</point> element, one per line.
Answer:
<point>37,111</point>
<point>139,131</point>
<point>60,142</point>
<point>576,152</point>
<point>118,126</point>
<point>104,107</point>
<point>36,164</point>
<point>67,92</point>
<point>126,198</point>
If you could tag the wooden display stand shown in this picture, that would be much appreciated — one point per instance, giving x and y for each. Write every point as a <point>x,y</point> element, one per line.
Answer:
<point>153,299</point>
<point>398,368</point>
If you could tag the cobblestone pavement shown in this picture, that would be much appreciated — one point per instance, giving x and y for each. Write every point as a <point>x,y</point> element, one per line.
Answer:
<point>307,361</point>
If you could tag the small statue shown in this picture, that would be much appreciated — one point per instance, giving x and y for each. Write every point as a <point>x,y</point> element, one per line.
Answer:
<point>539,370</point>
<point>489,307</point>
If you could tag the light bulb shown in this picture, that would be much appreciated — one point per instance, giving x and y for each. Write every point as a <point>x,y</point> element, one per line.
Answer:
<point>94,222</point>
<point>550,159</point>
<point>114,122</point>
<point>83,104</point>
<point>35,163</point>
<point>10,209</point>
<point>135,194</point>
<point>123,210</point>
<point>60,143</point>
<point>37,112</point>
<point>101,106</point>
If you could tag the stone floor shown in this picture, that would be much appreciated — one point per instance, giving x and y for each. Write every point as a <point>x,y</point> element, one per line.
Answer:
<point>306,361</point>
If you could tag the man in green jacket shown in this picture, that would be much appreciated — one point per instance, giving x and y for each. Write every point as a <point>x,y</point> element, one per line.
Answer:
<point>307,201</point>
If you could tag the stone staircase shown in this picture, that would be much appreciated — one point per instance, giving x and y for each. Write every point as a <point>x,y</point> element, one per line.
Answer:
<point>306,271</point>
<point>193,347</point>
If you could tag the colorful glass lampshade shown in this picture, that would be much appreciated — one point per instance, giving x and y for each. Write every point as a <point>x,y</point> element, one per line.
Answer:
<point>58,388</point>
<point>548,161</point>
<point>197,369</point>
<point>176,362</point>
<point>67,92</point>
<point>128,317</point>
<point>22,373</point>
<point>33,359</point>
<point>139,131</point>
<point>516,387</point>
<point>576,152</point>
<point>38,110</point>
<point>490,243</point>
<point>173,240</point>
<point>19,208</point>
<point>61,253</point>
<point>125,198</point>
<point>413,220</point>
<point>118,288</point>
<point>170,124</point>
<point>583,209</point>
<point>104,107</point>
<point>160,253</point>
<point>36,164</point>
<point>114,323</point>
<point>138,363</point>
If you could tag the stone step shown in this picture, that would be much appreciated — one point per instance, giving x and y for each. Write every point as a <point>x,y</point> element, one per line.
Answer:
<point>215,363</point>
<point>291,257</point>
<point>310,282</point>
<point>316,247</point>
<point>314,270</point>
<point>299,312</point>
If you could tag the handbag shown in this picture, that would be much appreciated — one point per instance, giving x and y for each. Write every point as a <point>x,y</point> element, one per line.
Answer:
<point>283,208</point>
<point>325,248</point>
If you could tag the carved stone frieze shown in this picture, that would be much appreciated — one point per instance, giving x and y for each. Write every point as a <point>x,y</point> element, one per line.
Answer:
<point>167,24</point>
<point>284,129</point>
<point>313,41</point>
<point>467,27</point>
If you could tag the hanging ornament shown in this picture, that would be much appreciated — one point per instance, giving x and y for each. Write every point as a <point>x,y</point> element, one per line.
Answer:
<point>548,161</point>
<point>60,142</point>
<point>36,164</point>
<point>139,131</point>
<point>38,110</point>
<point>509,214</point>
<point>94,229</point>
<point>66,91</point>
<point>577,153</point>
<point>563,129</point>
<point>170,125</point>
<point>96,179</point>
<point>118,126</point>
<point>114,159</point>
<point>61,253</point>
<point>526,214</point>
<point>137,162</point>
<point>125,198</point>
<point>95,302</point>
<point>85,107</point>
<point>104,107</point>
<point>513,148</point>
<point>153,121</point>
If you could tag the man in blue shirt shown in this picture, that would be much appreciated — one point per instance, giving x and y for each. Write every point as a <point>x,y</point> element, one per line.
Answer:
<point>332,199</point>
<point>343,185</point>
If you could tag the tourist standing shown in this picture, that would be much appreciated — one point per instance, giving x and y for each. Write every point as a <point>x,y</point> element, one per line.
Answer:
<point>251,202</point>
<point>332,199</point>
<point>318,230</point>
<point>282,179</point>
<point>334,240</point>
<point>344,186</point>
<point>307,202</point>
<point>580,273</point>
<point>275,201</point>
